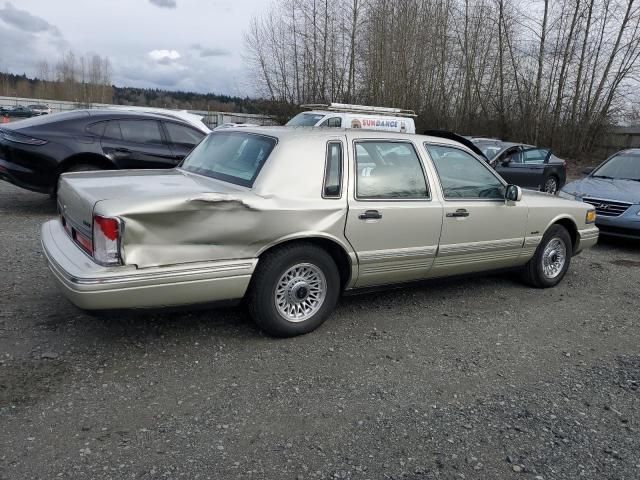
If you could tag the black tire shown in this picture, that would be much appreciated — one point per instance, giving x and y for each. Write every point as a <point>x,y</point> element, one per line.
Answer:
<point>551,185</point>
<point>261,296</point>
<point>534,273</point>
<point>78,167</point>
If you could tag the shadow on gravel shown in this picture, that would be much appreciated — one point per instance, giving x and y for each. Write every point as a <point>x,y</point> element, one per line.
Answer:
<point>196,322</point>
<point>28,203</point>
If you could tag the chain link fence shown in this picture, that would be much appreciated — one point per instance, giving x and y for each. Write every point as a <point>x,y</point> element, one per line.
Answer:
<point>210,118</point>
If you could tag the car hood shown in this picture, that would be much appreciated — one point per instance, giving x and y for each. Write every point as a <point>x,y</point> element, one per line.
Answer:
<point>604,188</point>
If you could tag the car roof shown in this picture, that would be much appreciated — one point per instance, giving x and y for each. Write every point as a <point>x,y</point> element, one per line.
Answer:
<point>289,132</point>
<point>108,113</point>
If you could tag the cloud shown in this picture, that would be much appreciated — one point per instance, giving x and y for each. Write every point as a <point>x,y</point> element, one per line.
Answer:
<point>23,20</point>
<point>164,56</point>
<point>210,52</point>
<point>164,3</point>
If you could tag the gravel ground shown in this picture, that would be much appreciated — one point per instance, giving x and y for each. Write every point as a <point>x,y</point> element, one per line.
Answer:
<point>475,378</point>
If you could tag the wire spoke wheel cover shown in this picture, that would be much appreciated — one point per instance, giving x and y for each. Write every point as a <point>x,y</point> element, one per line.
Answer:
<point>551,185</point>
<point>300,292</point>
<point>554,257</point>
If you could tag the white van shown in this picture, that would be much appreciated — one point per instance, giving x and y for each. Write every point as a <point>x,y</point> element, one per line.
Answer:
<point>341,115</point>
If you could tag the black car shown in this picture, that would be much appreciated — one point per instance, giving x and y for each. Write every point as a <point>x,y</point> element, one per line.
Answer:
<point>20,111</point>
<point>34,152</point>
<point>525,165</point>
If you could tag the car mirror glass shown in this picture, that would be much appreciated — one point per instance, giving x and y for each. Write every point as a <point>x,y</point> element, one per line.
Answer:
<point>513,193</point>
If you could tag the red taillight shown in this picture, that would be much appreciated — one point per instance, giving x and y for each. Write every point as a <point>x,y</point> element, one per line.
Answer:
<point>108,226</point>
<point>106,240</point>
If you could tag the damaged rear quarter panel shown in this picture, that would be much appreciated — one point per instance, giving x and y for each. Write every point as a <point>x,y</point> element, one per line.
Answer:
<point>285,203</point>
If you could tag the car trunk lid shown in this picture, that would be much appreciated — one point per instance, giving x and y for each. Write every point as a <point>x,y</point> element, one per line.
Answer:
<point>79,192</point>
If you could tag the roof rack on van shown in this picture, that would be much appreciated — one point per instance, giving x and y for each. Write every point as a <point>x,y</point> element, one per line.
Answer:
<point>344,107</point>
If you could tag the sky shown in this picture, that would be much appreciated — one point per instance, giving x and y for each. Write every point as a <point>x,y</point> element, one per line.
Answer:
<point>194,45</point>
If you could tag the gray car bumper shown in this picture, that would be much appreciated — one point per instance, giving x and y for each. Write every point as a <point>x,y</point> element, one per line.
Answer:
<point>94,287</point>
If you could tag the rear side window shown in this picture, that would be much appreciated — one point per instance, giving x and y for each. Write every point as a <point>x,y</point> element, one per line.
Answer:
<point>333,171</point>
<point>113,130</point>
<point>183,136</point>
<point>141,131</point>
<point>389,170</point>
<point>234,157</point>
<point>97,129</point>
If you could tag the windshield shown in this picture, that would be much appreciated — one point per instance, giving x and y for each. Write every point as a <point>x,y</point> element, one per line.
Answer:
<point>620,167</point>
<point>234,157</point>
<point>490,149</point>
<point>305,120</point>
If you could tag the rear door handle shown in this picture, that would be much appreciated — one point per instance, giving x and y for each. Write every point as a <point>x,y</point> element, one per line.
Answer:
<point>461,212</point>
<point>370,215</point>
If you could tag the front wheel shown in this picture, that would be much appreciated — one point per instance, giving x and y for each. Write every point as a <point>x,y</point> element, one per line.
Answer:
<point>551,260</point>
<point>294,290</point>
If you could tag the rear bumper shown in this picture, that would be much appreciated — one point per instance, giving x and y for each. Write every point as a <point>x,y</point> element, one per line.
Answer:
<point>587,238</point>
<point>93,287</point>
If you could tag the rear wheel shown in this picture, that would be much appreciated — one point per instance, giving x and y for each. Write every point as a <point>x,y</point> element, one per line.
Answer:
<point>551,260</point>
<point>550,185</point>
<point>294,290</point>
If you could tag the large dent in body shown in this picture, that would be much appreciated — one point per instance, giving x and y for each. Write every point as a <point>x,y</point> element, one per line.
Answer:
<point>217,226</point>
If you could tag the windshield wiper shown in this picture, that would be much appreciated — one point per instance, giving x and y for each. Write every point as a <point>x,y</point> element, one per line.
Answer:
<point>604,176</point>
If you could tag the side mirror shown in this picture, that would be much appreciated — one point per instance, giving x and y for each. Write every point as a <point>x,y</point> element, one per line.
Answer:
<point>588,171</point>
<point>513,193</point>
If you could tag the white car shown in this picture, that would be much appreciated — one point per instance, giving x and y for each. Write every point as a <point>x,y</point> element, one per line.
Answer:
<point>233,125</point>
<point>40,109</point>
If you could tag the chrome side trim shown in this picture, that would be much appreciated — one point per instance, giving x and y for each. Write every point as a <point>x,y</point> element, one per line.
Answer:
<point>475,257</point>
<point>398,254</point>
<point>589,233</point>
<point>473,247</point>
<point>532,241</point>
<point>164,273</point>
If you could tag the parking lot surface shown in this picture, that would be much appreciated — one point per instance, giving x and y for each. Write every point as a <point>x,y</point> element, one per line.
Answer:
<point>477,378</point>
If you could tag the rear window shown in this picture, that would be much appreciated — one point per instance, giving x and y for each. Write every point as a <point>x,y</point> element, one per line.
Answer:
<point>234,157</point>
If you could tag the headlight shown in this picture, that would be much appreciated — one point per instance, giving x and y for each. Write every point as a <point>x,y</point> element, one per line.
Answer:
<point>591,216</point>
<point>567,195</point>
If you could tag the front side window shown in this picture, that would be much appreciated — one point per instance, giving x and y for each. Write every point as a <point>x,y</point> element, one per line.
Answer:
<point>463,176</point>
<point>334,122</point>
<point>333,171</point>
<point>389,170</point>
<point>305,120</point>
<point>233,157</point>
<point>535,155</point>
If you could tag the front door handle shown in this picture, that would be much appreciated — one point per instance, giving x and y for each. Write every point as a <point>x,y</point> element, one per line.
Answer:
<point>461,212</point>
<point>122,150</point>
<point>370,215</point>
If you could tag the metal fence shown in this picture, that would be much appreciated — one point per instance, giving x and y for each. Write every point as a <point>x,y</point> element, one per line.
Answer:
<point>618,138</point>
<point>210,118</point>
